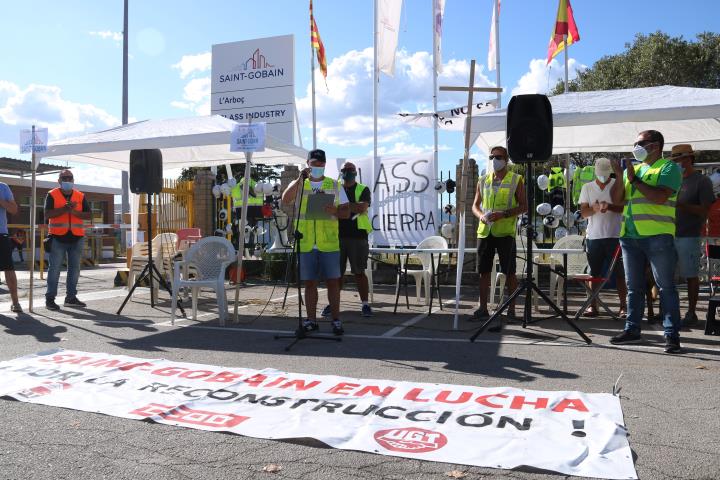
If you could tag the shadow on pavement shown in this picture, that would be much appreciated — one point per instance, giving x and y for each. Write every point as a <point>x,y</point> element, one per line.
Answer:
<point>25,324</point>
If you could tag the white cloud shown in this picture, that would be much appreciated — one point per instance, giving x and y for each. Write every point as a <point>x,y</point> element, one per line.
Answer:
<point>116,37</point>
<point>196,96</point>
<point>190,64</point>
<point>542,78</point>
<point>402,148</point>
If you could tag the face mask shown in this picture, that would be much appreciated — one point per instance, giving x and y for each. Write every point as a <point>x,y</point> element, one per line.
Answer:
<point>67,186</point>
<point>602,178</point>
<point>499,164</point>
<point>317,172</point>
<point>640,153</point>
<point>349,176</point>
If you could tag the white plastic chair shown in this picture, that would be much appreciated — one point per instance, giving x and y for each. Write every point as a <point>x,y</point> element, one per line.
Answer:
<point>576,264</point>
<point>204,266</point>
<point>422,277</point>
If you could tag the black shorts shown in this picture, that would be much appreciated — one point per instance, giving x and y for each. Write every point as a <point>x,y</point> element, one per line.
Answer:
<point>506,251</point>
<point>356,250</point>
<point>6,248</point>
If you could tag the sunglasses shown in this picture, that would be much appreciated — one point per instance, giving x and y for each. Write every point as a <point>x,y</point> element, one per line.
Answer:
<point>496,157</point>
<point>643,143</point>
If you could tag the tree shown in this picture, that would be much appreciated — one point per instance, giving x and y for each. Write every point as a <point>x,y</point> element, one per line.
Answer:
<point>654,60</point>
<point>260,173</point>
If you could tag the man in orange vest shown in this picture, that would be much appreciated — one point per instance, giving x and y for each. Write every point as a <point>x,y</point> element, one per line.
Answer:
<point>65,210</point>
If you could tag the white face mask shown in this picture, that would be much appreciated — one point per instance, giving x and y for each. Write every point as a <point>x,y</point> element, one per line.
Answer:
<point>498,164</point>
<point>640,153</point>
<point>602,178</point>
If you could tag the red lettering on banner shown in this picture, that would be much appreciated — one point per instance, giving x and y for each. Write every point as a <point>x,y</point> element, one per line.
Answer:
<point>443,397</point>
<point>412,395</point>
<point>343,388</point>
<point>56,358</point>
<point>255,380</point>
<point>196,374</point>
<point>573,403</point>
<point>375,390</point>
<point>168,371</point>
<point>275,382</point>
<point>483,400</point>
<point>183,414</point>
<point>130,366</point>
<point>411,440</point>
<point>519,401</point>
<point>75,361</point>
<point>301,385</point>
<point>106,363</point>
<point>224,377</point>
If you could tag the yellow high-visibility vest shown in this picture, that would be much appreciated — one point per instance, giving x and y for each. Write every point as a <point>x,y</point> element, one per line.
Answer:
<point>323,233</point>
<point>503,199</point>
<point>649,217</point>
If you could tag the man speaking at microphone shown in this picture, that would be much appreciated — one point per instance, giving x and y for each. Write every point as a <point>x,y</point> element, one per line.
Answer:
<point>319,242</point>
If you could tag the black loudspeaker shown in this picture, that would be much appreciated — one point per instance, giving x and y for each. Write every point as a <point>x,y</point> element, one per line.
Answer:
<point>146,172</point>
<point>529,128</point>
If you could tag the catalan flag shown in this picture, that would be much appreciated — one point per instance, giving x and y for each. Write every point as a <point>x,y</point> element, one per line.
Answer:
<point>317,44</point>
<point>564,25</point>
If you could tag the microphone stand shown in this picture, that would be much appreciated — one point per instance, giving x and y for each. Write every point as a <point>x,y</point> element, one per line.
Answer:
<point>300,333</point>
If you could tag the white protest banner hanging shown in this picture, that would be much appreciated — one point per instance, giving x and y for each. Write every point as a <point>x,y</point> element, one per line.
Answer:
<point>248,137</point>
<point>28,144</point>
<point>453,119</point>
<point>403,208</point>
<point>573,433</point>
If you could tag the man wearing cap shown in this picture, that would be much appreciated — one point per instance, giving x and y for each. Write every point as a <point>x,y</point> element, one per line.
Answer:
<point>693,204</point>
<point>319,241</point>
<point>604,219</point>
<point>354,247</point>
<point>7,265</point>
<point>649,192</point>
<point>499,199</point>
<point>65,210</point>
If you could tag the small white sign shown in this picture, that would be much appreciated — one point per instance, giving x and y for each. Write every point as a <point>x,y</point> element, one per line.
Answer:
<point>249,137</point>
<point>38,144</point>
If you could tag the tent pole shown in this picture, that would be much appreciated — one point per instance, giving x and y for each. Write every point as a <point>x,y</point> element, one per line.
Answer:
<point>33,208</point>
<point>567,155</point>
<point>241,233</point>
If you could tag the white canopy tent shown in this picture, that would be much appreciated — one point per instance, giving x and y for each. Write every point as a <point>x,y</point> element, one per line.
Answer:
<point>184,142</point>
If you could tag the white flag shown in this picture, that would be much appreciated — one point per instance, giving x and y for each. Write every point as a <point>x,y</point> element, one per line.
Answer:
<point>439,9</point>
<point>492,48</point>
<point>388,28</point>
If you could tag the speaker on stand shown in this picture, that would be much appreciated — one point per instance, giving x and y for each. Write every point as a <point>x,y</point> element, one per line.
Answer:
<point>146,176</point>
<point>529,139</point>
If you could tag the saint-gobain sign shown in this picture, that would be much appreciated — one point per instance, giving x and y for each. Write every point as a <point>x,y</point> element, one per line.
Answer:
<point>254,81</point>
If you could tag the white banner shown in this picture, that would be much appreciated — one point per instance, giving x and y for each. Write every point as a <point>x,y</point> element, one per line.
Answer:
<point>453,119</point>
<point>388,29</point>
<point>254,81</point>
<point>404,208</point>
<point>572,433</point>
<point>492,46</point>
<point>438,13</point>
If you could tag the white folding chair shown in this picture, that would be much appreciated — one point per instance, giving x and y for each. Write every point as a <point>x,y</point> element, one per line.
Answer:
<point>423,277</point>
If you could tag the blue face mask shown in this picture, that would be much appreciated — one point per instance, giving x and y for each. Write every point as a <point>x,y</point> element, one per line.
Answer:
<point>317,172</point>
<point>67,186</point>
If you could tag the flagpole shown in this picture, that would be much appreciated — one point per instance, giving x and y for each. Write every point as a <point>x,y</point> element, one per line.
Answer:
<point>375,81</point>
<point>497,53</point>
<point>567,155</point>
<point>312,77</point>
<point>435,77</point>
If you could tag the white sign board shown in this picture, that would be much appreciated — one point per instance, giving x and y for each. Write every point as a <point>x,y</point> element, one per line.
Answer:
<point>254,81</point>
<point>404,205</point>
<point>249,137</point>
<point>38,144</point>
<point>570,432</point>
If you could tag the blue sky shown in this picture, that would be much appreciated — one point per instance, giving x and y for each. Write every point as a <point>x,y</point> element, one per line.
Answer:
<point>61,62</point>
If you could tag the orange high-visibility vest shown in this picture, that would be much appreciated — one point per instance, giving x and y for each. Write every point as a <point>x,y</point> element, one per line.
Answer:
<point>61,224</point>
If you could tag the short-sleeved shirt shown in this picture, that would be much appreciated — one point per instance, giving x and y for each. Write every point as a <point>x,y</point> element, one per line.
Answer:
<point>348,227</point>
<point>600,225</point>
<point>6,195</point>
<point>669,177</point>
<point>696,189</point>
<point>50,204</point>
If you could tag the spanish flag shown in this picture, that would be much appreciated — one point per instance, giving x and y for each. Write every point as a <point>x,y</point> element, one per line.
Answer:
<point>564,25</point>
<point>317,44</point>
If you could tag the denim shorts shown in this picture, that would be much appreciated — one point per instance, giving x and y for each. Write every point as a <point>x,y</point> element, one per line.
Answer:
<point>689,254</point>
<point>317,265</point>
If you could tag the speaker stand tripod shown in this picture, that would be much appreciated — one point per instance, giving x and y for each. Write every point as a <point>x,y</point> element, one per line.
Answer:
<point>527,285</point>
<point>150,270</point>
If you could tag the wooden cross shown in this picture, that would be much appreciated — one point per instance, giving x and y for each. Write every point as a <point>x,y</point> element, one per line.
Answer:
<point>461,199</point>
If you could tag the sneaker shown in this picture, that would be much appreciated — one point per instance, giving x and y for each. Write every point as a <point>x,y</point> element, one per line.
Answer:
<point>626,337</point>
<point>73,302</point>
<point>310,326</point>
<point>690,320</point>
<point>367,311</point>
<point>16,308</point>
<point>327,311</point>
<point>481,314</point>
<point>672,344</point>
<point>337,328</point>
<point>51,305</point>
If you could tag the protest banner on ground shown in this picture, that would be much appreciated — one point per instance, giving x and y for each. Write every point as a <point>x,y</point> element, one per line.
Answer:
<point>569,432</point>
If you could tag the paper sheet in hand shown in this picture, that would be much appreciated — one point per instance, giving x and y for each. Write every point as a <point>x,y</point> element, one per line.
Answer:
<point>316,206</point>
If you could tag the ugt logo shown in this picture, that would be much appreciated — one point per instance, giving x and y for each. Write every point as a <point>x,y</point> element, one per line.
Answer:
<point>412,440</point>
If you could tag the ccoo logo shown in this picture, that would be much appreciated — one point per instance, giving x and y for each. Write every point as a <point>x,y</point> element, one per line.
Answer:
<point>410,440</point>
